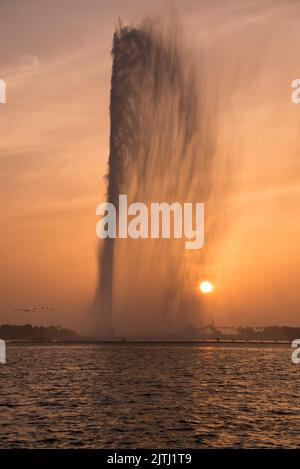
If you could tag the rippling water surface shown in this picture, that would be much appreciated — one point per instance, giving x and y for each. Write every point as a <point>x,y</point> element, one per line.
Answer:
<point>153,395</point>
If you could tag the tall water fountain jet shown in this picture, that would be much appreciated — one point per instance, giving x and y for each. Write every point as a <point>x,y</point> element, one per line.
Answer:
<point>162,149</point>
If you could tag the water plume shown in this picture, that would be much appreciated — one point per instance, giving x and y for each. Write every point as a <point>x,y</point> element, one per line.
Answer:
<point>162,149</point>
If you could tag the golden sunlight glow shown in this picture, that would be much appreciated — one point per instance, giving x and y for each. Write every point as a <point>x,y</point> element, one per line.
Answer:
<point>206,286</point>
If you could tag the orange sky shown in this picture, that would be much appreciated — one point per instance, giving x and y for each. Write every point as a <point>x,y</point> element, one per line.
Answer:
<point>55,58</point>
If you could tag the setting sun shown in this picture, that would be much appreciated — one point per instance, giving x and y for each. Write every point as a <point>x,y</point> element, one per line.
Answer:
<point>206,286</point>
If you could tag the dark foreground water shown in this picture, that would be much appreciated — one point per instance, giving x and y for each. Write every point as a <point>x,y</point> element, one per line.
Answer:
<point>154,395</point>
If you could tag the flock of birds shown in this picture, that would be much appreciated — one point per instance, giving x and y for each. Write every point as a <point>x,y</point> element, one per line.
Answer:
<point>26,310</point>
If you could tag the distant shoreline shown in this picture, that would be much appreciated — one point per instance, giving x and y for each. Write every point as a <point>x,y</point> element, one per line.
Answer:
<point>149,342</point>
<point>210,334</point>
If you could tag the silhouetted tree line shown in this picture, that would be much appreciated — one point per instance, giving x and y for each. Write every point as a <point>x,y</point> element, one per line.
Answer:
<point>270,333</point>
<point>244,333</point>
<point>29,332</point>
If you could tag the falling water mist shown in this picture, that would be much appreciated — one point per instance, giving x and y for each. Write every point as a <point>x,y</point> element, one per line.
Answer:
<point>162,149</point>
